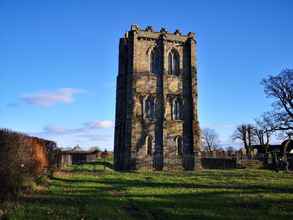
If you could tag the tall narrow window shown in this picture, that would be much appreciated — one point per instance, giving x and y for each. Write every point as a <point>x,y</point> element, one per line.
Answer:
<point>173,63</point>
<point>175,66</point>
<point>170,63</point>
<point>154,62</point>
<point>177,109</point>
<point>149,108</point>
<point>179,145</point>
<point>149,145</point>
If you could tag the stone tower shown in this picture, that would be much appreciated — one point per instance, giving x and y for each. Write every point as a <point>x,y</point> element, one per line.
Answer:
<point>156,123</point>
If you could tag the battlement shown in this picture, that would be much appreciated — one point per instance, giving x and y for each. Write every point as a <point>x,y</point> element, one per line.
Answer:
<point>150,32</point>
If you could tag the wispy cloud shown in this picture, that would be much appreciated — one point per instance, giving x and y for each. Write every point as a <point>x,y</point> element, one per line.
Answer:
<point>88,126</point>
<point>50,98</point>
<point>91,133</point>
<point>99,124</point>
<point>50,129</point>
<point>12,105</point>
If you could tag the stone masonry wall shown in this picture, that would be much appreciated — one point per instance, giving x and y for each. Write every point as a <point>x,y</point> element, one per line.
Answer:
<point>136,82</point>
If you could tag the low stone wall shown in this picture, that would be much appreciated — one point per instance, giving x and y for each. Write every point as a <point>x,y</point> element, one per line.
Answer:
<point>218,163</point>
<point>252,164</point>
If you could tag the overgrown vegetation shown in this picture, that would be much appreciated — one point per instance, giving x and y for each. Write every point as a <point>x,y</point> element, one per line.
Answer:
<point>22,160</point>
<point>13,165</point>
<point>80,193</point>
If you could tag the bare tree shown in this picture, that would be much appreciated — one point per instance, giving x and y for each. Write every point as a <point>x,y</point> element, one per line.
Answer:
<point>210,139</point>
<point>245,133</point>
<point>280,88</point>
<point>262,133</point>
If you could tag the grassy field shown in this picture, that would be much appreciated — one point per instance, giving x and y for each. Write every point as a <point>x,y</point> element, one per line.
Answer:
<point>88,192</point>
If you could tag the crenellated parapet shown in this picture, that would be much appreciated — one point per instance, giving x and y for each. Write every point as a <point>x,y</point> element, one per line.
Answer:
<point>149,33</point>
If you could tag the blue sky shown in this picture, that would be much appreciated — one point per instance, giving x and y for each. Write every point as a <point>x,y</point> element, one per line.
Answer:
<point>58,61</point>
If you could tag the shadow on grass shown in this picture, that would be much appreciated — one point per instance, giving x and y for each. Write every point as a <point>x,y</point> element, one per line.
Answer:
<point>203,205</point>
<point>126,183</point>
<point>92,165</point>
<point>143,196</point>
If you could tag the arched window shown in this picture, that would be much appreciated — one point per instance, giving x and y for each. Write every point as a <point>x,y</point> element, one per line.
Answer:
<point>149,145</point>
<point>149,108</point>
<point>179,145</point>
<point>173,63</point>
<point>177,109</point>
<point>154,62</point>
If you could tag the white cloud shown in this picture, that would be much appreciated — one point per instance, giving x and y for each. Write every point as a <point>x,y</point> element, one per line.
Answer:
<point>50,98</point>
<point>88,126</point>
<point>54,130</point>
<point>100,124</point>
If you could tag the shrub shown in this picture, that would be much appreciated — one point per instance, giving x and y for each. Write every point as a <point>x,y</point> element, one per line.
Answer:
<point>11,165</point>
<point>23,157</point>
<point>14,162</point>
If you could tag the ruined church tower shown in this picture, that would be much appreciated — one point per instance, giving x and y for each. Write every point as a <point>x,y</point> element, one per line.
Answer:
<point>156,123</point>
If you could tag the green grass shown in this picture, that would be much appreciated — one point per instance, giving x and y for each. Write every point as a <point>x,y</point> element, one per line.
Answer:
<point>212,194</point>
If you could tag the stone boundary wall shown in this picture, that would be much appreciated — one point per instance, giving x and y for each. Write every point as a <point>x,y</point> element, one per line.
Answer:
<point>218,163</point>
